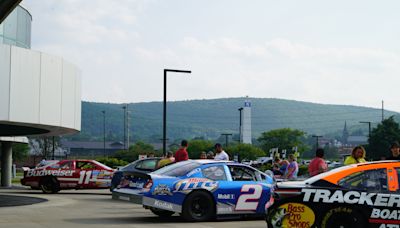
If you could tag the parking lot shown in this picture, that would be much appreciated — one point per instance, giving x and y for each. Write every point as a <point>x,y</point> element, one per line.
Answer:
<point>90,208</point>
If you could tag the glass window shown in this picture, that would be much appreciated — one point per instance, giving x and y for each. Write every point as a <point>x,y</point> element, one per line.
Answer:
<point>214,173</point>
<point>85,165</point>
<point>241,173</point>
<point>370,180</point>
<point>66,165</point>
<point>147,164</point>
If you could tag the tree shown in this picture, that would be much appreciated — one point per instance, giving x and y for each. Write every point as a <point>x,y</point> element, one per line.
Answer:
<point>134,151</point>
<point>387,132</point>
<point>43,146</point>
<point>284,138</point>
<point>245,151</point>
<point>20,151</point>
<point>195,147</point>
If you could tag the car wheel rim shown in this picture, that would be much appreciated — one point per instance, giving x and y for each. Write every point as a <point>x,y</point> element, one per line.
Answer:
<point>199,207</point>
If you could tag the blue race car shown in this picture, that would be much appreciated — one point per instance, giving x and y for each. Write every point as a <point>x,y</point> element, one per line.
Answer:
<point>200,190</point>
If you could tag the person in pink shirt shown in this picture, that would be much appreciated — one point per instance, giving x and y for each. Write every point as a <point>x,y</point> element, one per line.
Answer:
<point>318,164</point>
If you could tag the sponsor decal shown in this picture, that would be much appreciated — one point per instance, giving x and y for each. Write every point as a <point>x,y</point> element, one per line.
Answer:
<point>351,197</point>
<point>163,205</point>
<point>195,183</point>
<point>58,173</point>
<point>226,196</point>
<point>385,214</point>
<point>293,215</point>
<point>191,173</point>
<point>389,226</point>
<point>162,190</point>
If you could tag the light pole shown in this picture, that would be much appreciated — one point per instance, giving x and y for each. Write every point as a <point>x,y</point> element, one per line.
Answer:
<point>240,124</point>
<point>226,138</point>
<point>104,132</point>
<point>317,137</point>
<point>124,108</point>
<point>369,127</point>
<point>164,139</point>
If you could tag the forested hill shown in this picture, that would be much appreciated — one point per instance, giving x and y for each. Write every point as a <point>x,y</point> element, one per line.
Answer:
<point>210,118</point>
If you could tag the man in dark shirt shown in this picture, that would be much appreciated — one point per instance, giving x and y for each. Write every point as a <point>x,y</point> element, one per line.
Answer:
<point>182,154</point>
<point>395,149</point>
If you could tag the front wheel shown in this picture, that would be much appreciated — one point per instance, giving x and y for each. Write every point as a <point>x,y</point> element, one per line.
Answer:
<point>198,206</point>
<point>343,217</point>
<point>49,185</point>
<point>161,213</point>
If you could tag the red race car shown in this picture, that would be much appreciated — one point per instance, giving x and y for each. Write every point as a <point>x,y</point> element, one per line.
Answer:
<point>68,174</point>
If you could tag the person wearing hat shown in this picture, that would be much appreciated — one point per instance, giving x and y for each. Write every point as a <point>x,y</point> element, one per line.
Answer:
<point>395,150</point>
<point>220,155</point>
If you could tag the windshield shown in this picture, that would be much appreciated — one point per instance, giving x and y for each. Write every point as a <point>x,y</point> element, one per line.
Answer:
<point>177,169</point>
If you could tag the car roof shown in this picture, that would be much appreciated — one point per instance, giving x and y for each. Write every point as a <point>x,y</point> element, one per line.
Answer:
<point>210,161</point>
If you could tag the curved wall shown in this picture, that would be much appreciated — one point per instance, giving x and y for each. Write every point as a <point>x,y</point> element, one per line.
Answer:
<point>16,28</point>
<point>39,93</point>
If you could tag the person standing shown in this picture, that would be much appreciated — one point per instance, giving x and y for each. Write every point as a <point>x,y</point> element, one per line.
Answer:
<point>167,160</point>
<point>357,156</point>
<point>220,155</point>
<point>293,168</point>
<point>203,155</point>
<point>181,154</point>
<point>318,164</point>
<point>395,152</point>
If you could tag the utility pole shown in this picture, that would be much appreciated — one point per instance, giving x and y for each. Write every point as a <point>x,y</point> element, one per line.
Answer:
<point>382,111</point>
<point>124,108</point>
<point>317,137</point>
<point>226,138</point>
<point>104,133</point>
<point>128,118</point>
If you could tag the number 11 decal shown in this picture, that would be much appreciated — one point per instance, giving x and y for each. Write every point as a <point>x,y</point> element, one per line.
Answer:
<point>243,204</point>
<point>84,177</point>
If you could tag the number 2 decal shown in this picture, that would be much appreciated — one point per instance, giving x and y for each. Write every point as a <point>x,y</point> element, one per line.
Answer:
<point>84,177</point>
<point>243,204</point>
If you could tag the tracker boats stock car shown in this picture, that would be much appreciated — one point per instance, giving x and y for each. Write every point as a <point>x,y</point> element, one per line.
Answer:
<point>359,195</point>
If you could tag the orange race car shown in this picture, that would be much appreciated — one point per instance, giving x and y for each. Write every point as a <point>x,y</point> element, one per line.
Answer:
<point>360,195</point>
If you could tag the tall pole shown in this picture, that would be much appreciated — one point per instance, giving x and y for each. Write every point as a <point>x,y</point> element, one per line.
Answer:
<point>104,133</point>
<point>240,124</point>
<point>382,112</point>
<point>164,139</point>
<point>127,126</point>
<point>53,149</point>
<point>317,137</point>
<point>226,138</point>
<point>124,108</point>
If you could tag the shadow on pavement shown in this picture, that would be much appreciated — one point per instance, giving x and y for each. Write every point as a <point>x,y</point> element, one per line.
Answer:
<point>16,200</point>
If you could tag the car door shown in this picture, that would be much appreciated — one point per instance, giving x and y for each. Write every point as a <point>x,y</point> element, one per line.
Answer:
<point>86,170</point>
<point>241,189</point>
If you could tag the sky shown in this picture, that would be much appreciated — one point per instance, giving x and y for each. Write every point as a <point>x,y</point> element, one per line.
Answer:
<point>331,52</point>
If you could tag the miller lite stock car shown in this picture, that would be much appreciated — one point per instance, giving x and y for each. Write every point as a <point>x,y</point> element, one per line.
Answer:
<point>359,195</point>
<point>68,174</point>
<point>200,190</point>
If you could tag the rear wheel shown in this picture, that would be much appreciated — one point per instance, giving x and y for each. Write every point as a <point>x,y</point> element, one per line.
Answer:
<point>161,213</point>
<point>342,217</point>
<point>198,206</point>
<point>49,185</point>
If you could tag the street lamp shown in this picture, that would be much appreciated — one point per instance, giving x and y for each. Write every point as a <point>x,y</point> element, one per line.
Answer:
<point>104,132</point>
<point>240,124</point>
<point>226,138</point>
<point>164,139</point>
<point>317,137</point>
<point>369,127</point>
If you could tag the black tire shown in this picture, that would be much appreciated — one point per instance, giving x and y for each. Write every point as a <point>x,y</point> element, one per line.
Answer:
<point>161,212</point>
<point>35,188</point>
<point>49,185</point>
<point>198,206</point>
<point>343,217</point>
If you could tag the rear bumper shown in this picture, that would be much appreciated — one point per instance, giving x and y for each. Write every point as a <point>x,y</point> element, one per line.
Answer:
<point>133,196</point>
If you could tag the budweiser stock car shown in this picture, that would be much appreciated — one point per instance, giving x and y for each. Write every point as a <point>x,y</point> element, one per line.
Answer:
<point>68,174</point>
<point>359,195</point>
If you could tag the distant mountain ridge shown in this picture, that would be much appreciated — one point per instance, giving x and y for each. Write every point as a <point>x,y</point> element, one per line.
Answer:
<point>210,118</point>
